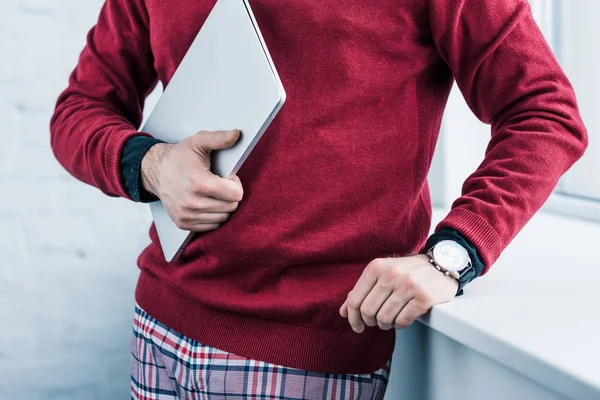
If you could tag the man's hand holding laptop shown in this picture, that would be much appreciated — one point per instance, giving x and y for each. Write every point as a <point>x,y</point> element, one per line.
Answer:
<point>179,174</point>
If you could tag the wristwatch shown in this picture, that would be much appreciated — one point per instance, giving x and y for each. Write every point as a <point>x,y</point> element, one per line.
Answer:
<point>450,258</point>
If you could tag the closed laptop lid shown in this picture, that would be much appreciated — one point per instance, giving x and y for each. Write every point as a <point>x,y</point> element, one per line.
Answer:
<point>225,81</point>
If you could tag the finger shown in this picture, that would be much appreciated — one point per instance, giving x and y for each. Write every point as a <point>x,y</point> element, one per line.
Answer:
<point>373,302</point>
<point>219,188</point>
<point>210,218</point>
<point>190,219</point>
<point>413,310</point>
<point>214,140</point>
<point>387,314</point>
<point>354,317</point>
<point>196,227</point>
<point>363,286</point>
<point>344,309</point>
<point>202,227</point>
<point>235,178</point>
<point>212,205</point>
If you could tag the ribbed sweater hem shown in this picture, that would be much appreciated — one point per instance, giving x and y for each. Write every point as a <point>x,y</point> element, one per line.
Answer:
<point>269,341</point>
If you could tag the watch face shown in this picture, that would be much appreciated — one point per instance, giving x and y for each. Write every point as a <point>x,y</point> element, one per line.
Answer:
<point>450,255</point>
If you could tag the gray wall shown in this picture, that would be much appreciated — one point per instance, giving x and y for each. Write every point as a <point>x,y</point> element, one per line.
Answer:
<point>67,252</point>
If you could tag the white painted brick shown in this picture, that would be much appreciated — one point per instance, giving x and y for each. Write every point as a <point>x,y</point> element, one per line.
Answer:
<point>67,252</point>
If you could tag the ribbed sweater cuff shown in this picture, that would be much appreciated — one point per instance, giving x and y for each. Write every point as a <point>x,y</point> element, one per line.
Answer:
<point>478,231</point>
<point>112,158</point>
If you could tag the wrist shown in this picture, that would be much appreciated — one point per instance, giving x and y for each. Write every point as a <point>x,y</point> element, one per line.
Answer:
<point>451,234</point>
<point>151,167</point>
<point>452,259</point>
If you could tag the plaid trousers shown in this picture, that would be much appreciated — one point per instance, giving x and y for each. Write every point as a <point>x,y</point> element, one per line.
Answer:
<point>167,365</point>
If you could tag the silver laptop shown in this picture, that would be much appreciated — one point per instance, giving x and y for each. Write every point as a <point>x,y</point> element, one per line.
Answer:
<point>226,80</point>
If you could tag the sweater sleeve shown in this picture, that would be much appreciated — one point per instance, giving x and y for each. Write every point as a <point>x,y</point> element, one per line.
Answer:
<point>101,108</point>
<point>511,80</point>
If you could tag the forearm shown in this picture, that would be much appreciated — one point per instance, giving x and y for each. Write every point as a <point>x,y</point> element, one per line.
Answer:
<point>511,80</point>
<point>88,141</point>
<point>101,109</point>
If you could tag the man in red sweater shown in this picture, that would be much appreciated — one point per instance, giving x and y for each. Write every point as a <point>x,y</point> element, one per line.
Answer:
<point>307,259</point>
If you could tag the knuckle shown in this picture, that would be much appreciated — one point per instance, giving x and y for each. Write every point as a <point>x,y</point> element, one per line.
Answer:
<point>179,221</point>
<point>425,300</point>
<point>377,265</point>
<point>202,205</point>
<point>203,187</point>
<point>353,303</point>
<point>203,218</point>
<point>410,283</point>
<point>197,186</point>
<point>385,283</point>
<point>223,217</point>
<point>384,320</point>
<point>367,311</point>
<point>403,323</point>
<point>239,195</point>
<point>185,205</point>
<point>398,280</point>
<point>393,278</point>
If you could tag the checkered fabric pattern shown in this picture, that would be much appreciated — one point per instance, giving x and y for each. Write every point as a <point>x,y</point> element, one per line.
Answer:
<point>168,365</point>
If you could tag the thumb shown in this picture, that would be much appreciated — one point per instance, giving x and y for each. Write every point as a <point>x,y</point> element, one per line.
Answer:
<point>215,140</point>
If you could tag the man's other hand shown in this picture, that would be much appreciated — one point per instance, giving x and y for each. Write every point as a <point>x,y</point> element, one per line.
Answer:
<point>393,292</point>
<point>179,174</point>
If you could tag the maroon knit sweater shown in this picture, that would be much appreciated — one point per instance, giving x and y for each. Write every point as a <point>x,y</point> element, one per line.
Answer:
<point>339,178</point>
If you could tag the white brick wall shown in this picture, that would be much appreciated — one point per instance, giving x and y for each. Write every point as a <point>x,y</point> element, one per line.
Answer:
<point>67,252</point>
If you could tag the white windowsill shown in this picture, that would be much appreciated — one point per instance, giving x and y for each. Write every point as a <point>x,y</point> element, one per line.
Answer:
<point>536,311</point>
<point>572,206</point>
